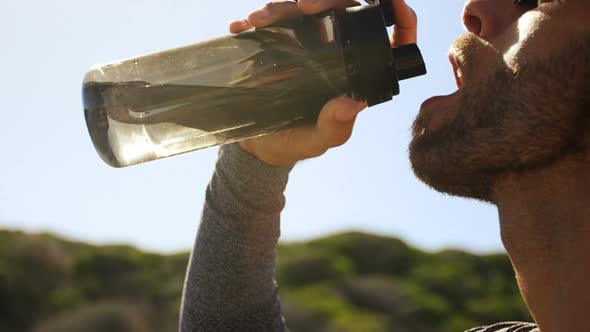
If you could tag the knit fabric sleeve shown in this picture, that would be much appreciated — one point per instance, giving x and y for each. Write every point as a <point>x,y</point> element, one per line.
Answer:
<point>230,282</point>
<point>507,327</point>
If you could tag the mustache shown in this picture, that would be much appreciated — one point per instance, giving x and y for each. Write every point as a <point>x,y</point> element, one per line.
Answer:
<point>470,51</point>
<point>475,57</point>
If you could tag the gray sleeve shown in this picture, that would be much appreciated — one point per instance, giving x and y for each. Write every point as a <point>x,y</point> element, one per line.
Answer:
<point>230,279</point>
<point>507,327</point>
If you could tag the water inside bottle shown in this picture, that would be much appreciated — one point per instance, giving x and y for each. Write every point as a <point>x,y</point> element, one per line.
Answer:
<point>212,93</point>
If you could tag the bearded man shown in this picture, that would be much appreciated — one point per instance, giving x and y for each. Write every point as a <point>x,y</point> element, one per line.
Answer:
<point>516,135</point>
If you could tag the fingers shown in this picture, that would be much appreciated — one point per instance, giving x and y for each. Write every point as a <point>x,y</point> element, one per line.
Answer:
<point>406,24</point>
<point>310,7</point>
<point>336,121</point>
<point>271,13</point>
<point>334,126</point>
<point>239,26</point>
<point>274,12</point>
<point>405,31</point>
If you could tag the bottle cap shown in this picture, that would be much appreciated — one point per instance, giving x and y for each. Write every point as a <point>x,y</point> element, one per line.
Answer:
<point>386,9</point>
<point>373,68</point>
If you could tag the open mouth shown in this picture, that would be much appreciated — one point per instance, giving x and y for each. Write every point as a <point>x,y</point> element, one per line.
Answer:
<point>440,109</point>
<point>437,110</point>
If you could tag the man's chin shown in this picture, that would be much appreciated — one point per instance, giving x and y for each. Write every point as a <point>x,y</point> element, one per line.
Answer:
<point>450,177</point>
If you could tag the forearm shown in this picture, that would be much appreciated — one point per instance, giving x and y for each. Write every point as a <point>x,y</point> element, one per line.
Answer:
<point>230,281</point>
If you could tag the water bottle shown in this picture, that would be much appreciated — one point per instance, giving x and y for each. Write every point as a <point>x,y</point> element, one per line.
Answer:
<point>243,85</point>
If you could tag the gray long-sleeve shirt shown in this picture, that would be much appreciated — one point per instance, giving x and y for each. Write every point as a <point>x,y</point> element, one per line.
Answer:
<point>230,279</point>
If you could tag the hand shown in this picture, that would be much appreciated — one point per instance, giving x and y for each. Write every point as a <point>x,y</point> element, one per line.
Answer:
<point>336,119</point>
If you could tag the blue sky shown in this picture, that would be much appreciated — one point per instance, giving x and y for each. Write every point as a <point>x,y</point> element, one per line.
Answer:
<point>53,180</point>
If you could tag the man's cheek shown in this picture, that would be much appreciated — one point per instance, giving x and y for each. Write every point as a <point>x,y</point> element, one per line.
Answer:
<point>527,41</point>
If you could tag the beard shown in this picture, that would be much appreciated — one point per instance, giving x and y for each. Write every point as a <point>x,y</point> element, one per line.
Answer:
<point>511,121</point>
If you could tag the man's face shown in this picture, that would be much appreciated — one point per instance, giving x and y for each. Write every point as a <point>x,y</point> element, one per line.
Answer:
<point>523,98</point>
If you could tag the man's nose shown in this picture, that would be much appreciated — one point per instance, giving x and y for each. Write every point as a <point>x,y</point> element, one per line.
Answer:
<point>487,18</point>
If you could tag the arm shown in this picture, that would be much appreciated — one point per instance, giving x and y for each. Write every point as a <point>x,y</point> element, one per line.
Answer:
<point>230,285</point>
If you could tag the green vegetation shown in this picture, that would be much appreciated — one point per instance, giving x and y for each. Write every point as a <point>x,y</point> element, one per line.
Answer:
<point>346,282</point>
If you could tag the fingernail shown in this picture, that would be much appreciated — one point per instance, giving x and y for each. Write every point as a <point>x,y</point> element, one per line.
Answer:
<point>241,22</point>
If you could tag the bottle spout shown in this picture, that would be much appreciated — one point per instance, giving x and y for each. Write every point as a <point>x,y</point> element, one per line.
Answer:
<point>408,61</point>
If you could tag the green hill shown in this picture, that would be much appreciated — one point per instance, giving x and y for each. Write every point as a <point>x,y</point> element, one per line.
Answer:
<point>346,282</point>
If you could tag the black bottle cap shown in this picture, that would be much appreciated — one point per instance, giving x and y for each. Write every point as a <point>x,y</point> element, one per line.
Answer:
<point>362,36</point>
<point>386,8</point>
<point>373,68</point>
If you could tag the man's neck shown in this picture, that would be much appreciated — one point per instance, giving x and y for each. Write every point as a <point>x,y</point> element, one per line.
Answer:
<point>545,226</point>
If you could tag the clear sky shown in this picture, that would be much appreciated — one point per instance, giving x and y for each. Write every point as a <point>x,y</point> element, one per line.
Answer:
<point>53,180</point>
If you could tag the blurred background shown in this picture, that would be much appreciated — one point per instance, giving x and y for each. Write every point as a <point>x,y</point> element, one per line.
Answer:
<point>52,181</point>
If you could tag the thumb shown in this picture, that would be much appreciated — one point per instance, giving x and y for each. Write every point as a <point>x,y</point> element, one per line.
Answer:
<point>336,121</point>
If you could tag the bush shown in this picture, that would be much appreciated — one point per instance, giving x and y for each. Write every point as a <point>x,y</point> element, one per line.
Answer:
<point>347,282</point>
<point>100,317</point>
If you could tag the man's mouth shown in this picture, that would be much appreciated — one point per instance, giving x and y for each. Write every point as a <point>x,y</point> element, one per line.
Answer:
<point>459,80</point>
<point>438,110</point>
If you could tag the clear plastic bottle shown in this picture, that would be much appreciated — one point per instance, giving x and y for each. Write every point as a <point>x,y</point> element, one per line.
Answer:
<point>241,86</point>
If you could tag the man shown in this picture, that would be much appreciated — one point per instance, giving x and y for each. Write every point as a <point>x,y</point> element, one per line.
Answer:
<point>516,135</point>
